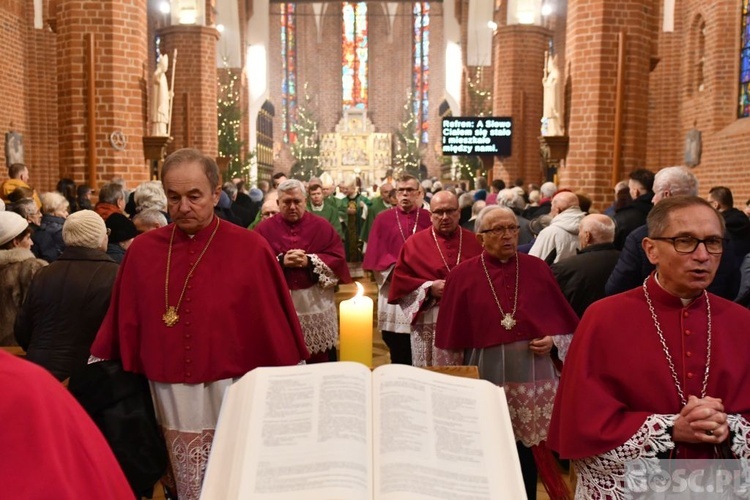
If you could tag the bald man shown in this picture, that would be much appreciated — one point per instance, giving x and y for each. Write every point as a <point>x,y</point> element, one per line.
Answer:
<point>559,240</point>
<point>583,276</point>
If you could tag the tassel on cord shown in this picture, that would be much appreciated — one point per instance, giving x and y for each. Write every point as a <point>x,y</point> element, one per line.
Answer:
<point>549,473</point>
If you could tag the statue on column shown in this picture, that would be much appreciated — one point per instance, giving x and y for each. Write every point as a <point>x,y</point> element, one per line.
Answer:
<point>161,102</point>
<point>552,118</point>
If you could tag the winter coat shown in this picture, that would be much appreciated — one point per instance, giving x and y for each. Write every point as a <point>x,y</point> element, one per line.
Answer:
<point>630,217</point>
<point>17,268</point>
<point>561,236</point>
<point>50,236</point>
<point>64,308</point>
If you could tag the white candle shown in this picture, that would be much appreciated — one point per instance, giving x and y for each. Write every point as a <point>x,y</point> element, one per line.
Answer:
<point>355,341</point>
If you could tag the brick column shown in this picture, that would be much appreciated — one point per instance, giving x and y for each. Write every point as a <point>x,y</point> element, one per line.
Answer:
<point>518,92</point>
<point>591,78</point>
<point>119,30</point>
<point>194,113</point>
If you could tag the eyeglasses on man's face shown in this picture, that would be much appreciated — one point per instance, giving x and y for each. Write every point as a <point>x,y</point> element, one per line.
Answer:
<point>688,244</point>
<point>439,213</point>
<point>406,190</point>
<point>497,231</point>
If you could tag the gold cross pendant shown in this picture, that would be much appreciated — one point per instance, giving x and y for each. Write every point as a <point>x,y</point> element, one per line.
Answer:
<point>171,317</point>
<point>508,322</point>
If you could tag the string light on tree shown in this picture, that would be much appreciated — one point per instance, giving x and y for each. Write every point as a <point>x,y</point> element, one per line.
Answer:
<point>306,146</point>
<point>230,122</point>
<point>409,153</point>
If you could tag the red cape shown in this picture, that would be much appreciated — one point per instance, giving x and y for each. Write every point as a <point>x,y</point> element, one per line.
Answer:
<point>50,447</point>
<point>470,319</point>
<point>385,240</point>
<point>237,313</point>
<point>616,373</point>
<point>420,261</point>
<point>311,233</point>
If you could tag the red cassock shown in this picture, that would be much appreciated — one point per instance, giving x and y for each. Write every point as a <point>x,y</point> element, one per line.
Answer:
<point>389,232</point>
<point>616,373</point>
<point>314,235</point>
<point>470,319</point>
<point>236,314</point>
<point>420,261</point>
<point>50,447</point>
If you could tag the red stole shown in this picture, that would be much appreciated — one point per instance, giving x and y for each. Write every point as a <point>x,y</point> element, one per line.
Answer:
<point>470,319</point>
<point>310,233</point>
<point>387,236</point>
<point>420,260</point>
<point>616,373</point>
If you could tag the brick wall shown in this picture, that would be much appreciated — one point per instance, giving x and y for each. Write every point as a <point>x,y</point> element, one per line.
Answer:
<point>120,32</point>
<point>679,105</point>
<point>591,54</point>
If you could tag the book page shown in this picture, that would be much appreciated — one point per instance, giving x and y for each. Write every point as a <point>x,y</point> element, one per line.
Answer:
<point>442,437</point>
<point>310,434</point>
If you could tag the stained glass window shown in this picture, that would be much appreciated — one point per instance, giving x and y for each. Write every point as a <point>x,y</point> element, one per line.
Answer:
<point>354,55</point>
<point>421,67</point>
<point>289,70</point>
<point>744,100</point>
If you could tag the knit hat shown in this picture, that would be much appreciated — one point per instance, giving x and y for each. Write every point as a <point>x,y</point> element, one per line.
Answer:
<point>122,228</point>
<point>11,225</point>
<point>84,228</point>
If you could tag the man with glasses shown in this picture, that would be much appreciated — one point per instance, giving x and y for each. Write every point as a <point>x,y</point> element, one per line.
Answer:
<point>389,232</point>
<point>503,311</point>
<point>425,261</point>
<point>661,370</point>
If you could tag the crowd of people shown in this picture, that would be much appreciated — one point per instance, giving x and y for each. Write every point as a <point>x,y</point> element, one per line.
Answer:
<point>192,283</point>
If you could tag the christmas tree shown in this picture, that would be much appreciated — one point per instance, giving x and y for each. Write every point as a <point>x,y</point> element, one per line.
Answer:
<point>230,119</point>
<point>408,155</point>
<point>480,104</point>
<point>306,147</point>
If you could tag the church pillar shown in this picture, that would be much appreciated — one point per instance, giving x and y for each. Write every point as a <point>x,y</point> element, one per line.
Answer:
<point>118,30</point>
<point>194,115</point>
<point>591,81</point>
<point>518,92</point>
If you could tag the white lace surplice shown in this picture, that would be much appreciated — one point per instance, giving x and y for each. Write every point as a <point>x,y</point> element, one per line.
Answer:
<point>187,414</point>
<point>316,309</point>
<point>391,317</point>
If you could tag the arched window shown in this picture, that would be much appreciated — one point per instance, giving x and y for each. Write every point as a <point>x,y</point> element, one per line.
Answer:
<point>421,67</point>
<point>700,56</point>
<point>289,70</point>
<point>744,97</point>
<point>354,51</point>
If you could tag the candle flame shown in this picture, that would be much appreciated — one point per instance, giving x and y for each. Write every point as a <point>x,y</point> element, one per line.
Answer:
<point>360,290</point>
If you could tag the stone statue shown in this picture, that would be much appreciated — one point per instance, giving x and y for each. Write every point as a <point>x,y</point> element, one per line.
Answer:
<point>552,117</point>
<point>160,105</point>
<point>693,147</point>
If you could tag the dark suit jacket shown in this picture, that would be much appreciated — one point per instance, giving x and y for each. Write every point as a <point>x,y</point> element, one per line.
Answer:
<point>583,276</point>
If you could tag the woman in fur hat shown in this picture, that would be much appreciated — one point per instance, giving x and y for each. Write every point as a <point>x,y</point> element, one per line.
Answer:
<point>17,267</point>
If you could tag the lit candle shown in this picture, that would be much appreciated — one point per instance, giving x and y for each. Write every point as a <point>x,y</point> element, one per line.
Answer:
<point>355,341</point>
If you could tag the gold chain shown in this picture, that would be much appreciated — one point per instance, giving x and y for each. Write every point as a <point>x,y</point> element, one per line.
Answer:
<point>400,229</point>
<point>460,245</point>
<point>508,320</point>
<point>170,316</point>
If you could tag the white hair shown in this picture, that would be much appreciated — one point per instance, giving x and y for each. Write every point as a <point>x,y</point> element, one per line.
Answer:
<point>151,217</point>
<point>52,202</point>
<point>150,194</point>
<point>548,189</point>
<point>509,198</point>
<point>488,210</point>
<point>291,185</point>
<point>676,180</point>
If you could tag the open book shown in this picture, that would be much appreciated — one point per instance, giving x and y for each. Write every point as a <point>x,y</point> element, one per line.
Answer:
<point>339,431</point>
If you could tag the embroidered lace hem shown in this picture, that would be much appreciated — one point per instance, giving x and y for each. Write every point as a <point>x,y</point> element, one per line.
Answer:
<point>530,406</point>
<point>326,277</point>
<point>320,329</point>
<point>424,352</point>
<point>188,456</point>
<point>741,440</point>
<point>412,303</point>
<point>603,476</point>
<point>562,342</point>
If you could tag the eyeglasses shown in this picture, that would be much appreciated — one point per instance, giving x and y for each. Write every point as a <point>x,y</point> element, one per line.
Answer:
<point>448,211</point>
<point>688,244</point>
<point>497,231</point>
<point>406,190</point>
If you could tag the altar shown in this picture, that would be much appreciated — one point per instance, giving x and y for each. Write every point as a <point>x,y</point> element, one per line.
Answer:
<point>355,149</point>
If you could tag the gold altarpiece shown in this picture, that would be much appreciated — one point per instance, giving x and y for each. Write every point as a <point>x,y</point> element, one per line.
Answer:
<point>355,149</point>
